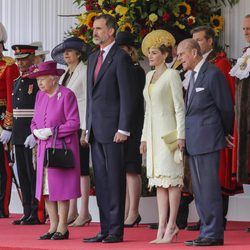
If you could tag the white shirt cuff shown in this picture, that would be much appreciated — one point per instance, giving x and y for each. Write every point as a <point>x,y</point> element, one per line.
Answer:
<point>124,132</point>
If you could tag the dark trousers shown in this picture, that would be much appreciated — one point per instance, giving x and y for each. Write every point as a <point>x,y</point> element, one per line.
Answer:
<point>183,211</point>
<point>207,192</point>
<point>109,173</point>
<point>27,179</point>
<point>5,182</point>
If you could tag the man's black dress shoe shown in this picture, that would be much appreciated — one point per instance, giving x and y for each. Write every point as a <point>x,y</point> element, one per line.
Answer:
<point>98,238</point>
<point>153,225</point>
<point>60,236</point>
<point>19,221</point>
<point>195,227</point>
<point>46,236</point>
<point>191,242</point>
<point>209,242</point>
<point>31,221</point>
<point>111,238</point>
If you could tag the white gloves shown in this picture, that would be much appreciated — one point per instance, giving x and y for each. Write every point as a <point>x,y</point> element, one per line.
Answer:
<point>30,141</point>
<point>5,136</point>
<point>43,133</point>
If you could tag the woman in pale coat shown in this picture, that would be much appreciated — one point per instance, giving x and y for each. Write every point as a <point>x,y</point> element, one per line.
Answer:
<point>73,52</point>
<point>55,106</point>
<point>164,114</point>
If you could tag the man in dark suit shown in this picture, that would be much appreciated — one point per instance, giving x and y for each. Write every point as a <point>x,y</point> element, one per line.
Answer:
<point>205,36</point>
<point>109,112</point>
<point>209,123</point>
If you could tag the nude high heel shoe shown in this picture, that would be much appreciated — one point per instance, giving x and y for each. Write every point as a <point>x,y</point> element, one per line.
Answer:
<point>173,233</point>
<point>159,237</point>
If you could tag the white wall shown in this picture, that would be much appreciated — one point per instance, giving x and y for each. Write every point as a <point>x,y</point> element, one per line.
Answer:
<point>36,20</point>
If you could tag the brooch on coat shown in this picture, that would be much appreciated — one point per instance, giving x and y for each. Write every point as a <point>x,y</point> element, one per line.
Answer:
<point>30,90</point>
<point>59,94</point>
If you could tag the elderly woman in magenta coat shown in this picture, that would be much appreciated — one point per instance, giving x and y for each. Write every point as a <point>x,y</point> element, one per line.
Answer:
<point>55,106</point>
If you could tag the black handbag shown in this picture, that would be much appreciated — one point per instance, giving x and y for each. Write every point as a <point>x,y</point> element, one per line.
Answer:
<point>58,157</point>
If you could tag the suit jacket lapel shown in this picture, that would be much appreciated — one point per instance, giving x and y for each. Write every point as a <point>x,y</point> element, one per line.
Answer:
<point>92,64</point>
<point>198,81</point>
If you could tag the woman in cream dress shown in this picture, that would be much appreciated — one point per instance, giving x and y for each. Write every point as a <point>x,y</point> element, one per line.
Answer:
<point>164,114</point>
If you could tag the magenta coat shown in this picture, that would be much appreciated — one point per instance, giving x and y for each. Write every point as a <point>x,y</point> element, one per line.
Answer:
<point>59,110</point>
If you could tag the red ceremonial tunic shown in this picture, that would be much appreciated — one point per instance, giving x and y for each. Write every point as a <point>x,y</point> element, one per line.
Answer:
<point>8,73</point>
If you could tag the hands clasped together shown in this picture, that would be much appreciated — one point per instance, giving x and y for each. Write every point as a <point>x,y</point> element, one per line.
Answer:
<point>42,133</point>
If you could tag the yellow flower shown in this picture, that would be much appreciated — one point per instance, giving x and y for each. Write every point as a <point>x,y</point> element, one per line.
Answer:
<point>184,9</point>
<point>82,19</point>
<point>111,13</point>
<point>84,38</point>
<point>100,2</point>
<point>127,27</point>
<point>216,31</point>
<point>216,22</point>
<point>133,1</point>
<point>181,26</point>
<point>90,19</point>
<point>153,17</point>
<point>121,10</point>
<point>121,20</point>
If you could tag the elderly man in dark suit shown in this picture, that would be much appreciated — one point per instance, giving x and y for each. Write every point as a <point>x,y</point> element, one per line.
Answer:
<point>209,123</point>
<point>109,112</point>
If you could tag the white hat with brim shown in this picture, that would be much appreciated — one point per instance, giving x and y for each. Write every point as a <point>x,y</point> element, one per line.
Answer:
<point>39,50</point>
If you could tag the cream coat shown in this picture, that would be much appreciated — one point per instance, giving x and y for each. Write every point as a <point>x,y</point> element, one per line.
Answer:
<point>78,85</point>
<point>164,113</point>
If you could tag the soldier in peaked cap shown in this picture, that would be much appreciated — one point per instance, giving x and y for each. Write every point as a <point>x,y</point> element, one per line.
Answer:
<point>8,72</point>
<point>24,95</point>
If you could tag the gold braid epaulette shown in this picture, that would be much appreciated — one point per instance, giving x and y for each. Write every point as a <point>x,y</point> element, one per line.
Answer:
<point>8,120</point>
<point>9,60</point>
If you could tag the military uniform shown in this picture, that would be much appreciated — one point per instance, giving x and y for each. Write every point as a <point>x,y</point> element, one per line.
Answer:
<point>24,96</point>
<point>8,72</point>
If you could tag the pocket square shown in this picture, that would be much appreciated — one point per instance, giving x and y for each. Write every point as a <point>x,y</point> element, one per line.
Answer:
<point>199,89</point>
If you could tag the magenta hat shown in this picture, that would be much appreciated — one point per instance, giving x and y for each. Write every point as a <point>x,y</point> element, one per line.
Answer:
<point>43,69</point>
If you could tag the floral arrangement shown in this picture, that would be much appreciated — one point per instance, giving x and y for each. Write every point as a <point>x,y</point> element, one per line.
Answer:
<point>141,16</point>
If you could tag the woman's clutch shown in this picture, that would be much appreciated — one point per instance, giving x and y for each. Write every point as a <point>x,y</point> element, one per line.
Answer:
<point>170,140</point>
